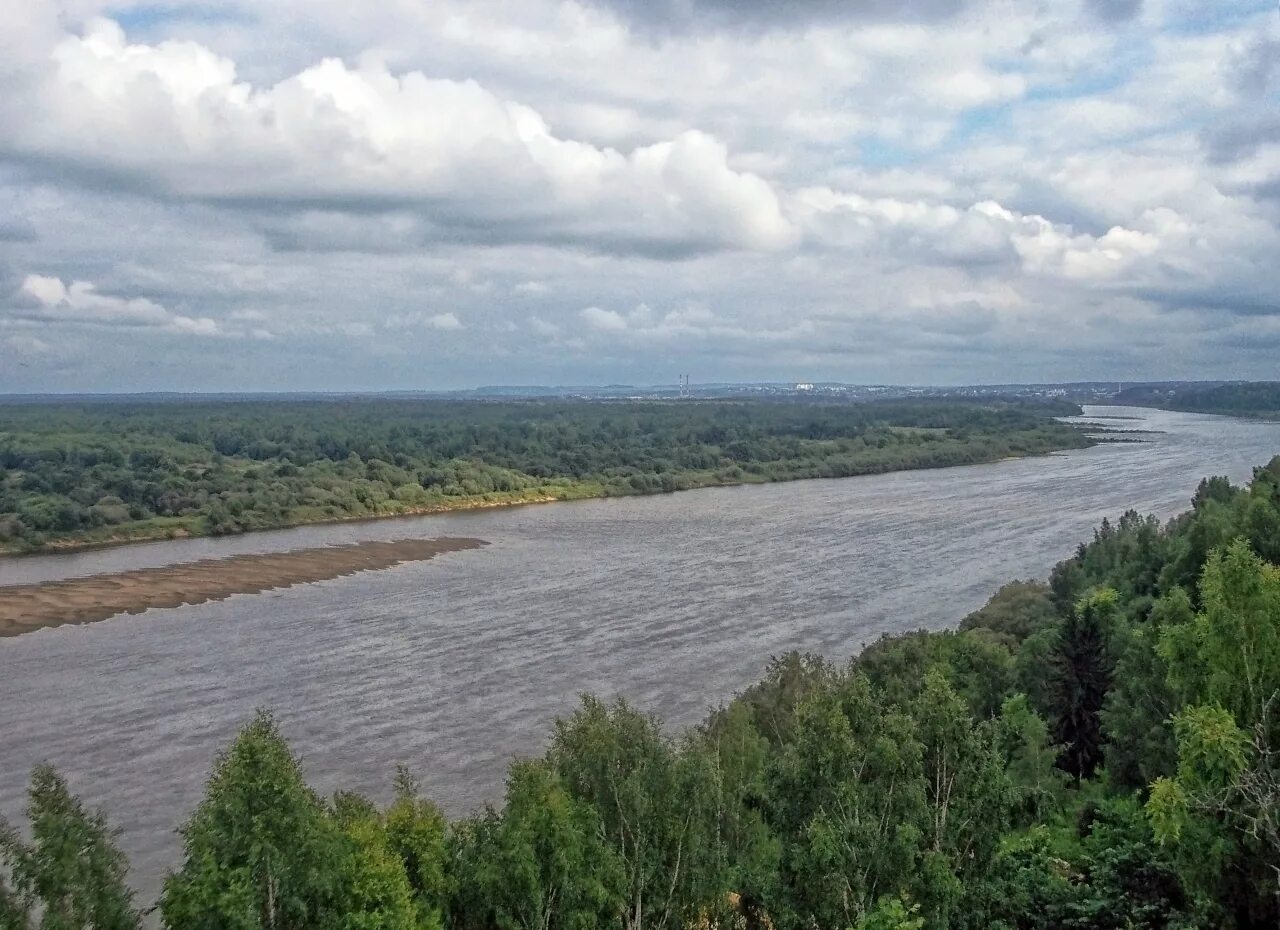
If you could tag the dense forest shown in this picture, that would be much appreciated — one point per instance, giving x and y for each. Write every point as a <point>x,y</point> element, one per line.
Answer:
<point>92,472</point>
<point>1245,398</point>
<point>1100,751</point>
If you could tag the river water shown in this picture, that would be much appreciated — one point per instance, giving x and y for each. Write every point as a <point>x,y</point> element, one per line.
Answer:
<point>456,665</point>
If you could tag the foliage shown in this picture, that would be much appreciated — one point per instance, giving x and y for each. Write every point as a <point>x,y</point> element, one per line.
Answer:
<point>1017,610</point>
<point>81,472</point>
<point>1082,677</point>
<point>70,876</point>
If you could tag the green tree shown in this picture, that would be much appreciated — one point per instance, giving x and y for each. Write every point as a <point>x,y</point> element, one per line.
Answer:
<point>1221,808</point>
<point>967,793</point>
<point>374,890</point>
<point>417,832</point>
<point>1082,670</point>
<point>71,875</point>
<point>751,848</point>
<point>657,804</point>
<point>1035,780</point>
<point>542,864</point>
<point>850,806</point>
<point>1229,655</point>
<point>260,850</point>
<point>1017,610</point>
<point>1135,718</point>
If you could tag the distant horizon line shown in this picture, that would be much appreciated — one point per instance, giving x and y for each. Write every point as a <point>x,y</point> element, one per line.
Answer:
<point>673,387</point>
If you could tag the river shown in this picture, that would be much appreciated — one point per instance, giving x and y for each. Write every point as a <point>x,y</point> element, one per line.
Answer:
<point>456,665</point>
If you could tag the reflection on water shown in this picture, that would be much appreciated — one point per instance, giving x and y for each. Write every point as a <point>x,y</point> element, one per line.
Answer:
<point>455,665</point>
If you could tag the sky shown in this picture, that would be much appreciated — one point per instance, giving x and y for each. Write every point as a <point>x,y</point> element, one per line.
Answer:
<point>251,195</point>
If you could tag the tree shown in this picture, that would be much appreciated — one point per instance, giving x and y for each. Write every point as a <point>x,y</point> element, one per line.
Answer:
<point>850,806</point>
<point>1229,655</point>
<point>1017,610</point>
<point>752,850</point>
<point>260,851</point>
<point>1082,669</point>
<point>967,793</point>
<point>1035,780</point>
<point>71,874</point>
<point>374,890</point>
<point>542,864</point>
<point>657,805</point>
<point>417,832</point>
<point>1135,718</point>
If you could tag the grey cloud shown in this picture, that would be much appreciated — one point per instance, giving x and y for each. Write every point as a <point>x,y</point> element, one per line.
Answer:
<point>399,232</point>
<point>1222,298</point>
<point>1257,69</point>
<point>1241,137</point>
<point>17,229</point>
<point>673,16</point>
<point>1115,11</point>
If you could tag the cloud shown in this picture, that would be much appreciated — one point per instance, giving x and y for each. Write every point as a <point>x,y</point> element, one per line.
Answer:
<point>445,321</point>
<point>417,319</point>
<point>17,229</point>
<point>421,157</point>
<point>48,299</point>
<point>665,16</point>
<point>810,190</point>
<point>1114,11</point>
<point>605,321</point>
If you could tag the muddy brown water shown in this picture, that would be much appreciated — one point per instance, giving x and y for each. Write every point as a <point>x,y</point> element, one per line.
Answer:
<point>456,665</point>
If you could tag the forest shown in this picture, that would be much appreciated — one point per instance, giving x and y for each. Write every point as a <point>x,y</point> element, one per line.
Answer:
<point>91,472</point>
<point>1098,751</point>
<point>1243,398</point>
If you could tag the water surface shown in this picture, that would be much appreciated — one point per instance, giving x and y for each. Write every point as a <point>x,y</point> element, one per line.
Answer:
<point>455,665</point>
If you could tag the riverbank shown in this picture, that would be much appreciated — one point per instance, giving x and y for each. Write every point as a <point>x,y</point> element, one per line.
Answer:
<point>28,607</point>
<point>947,453</point>
<point>184,528</point>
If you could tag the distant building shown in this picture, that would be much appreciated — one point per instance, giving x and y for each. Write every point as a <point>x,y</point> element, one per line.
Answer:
<point>804,386</point>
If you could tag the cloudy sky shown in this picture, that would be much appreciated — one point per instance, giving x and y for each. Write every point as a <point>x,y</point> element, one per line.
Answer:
<point>303,194</point>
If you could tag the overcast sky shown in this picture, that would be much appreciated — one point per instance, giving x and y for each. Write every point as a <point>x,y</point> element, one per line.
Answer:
<point>309,195</point>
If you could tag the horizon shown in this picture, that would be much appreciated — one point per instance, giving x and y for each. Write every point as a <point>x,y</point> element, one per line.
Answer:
<point>792,386</point>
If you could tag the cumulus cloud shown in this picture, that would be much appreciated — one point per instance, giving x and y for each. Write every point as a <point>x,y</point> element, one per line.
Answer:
<point>338,140</point>
<point>48,299</point>
<point>603,190</point>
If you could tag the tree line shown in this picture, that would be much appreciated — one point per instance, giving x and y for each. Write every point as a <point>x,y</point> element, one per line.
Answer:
<point>1096,752</point>
<point>1241,398</point>
<point>86,472</point>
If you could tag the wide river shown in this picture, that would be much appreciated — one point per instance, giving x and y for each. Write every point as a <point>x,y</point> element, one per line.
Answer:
<point>456,665</point>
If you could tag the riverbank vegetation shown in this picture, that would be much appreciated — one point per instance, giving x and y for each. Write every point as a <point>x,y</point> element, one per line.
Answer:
<point>1096,752</point>
<point>86,473</point>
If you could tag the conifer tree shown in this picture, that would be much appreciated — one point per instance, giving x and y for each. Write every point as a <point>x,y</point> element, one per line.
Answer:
<point>1082,673</point>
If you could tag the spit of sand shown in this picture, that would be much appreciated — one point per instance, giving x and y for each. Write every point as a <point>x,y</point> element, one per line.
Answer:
<point>27,607</point>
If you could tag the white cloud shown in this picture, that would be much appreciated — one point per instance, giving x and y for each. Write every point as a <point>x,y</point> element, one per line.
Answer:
<point>49,299</point>
<point>445,321</point>
<point>175,116</point>
<point>606,321</point>
<point>1012,190</point>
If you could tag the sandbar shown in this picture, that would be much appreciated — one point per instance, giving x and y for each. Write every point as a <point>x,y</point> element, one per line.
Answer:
<point>28,607</point>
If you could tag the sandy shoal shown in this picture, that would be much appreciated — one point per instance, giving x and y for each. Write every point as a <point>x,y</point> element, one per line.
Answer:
<point>27,607</point>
